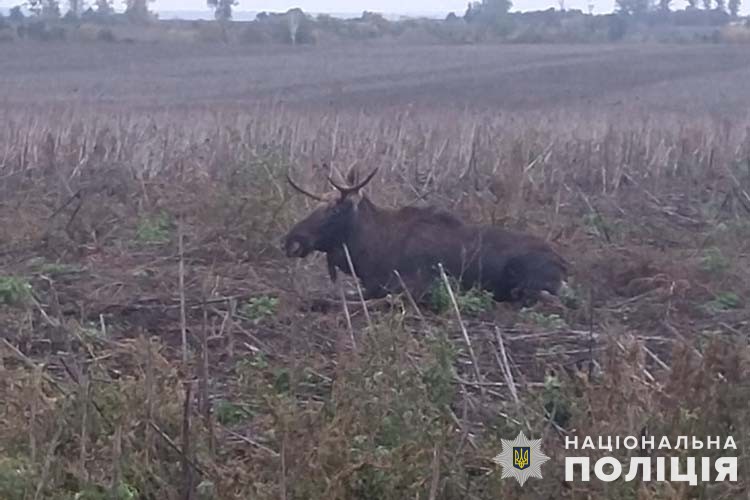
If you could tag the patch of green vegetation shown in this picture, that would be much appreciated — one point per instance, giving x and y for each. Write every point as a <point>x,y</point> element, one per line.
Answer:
<point>123,491</point>
<point>16,479</point>
<point>256,362</point>
<point>206,490</point>
<point>43,266</point>
<point>739,227</point>
<point>228,413</point>
<point>154,229</point>
<point>557,407</point>
<point>724,301</point>
<point>472,301</point>
<point>371,483</point>
<point>55,268</point>
<point>14,290</point>
<point>714,261</point>
<point>90,331</point>
<point>110,399</point>
<point>438,376</point>
<point>259,308</point>
<point>257,375</point>
<point>551,321</point>
<point>570,295</point>
<point>596,225</point>
<point>282,380</point>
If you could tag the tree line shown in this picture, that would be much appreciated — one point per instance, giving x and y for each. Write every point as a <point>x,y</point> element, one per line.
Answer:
<point>484,11</point>
<point>482,20</point>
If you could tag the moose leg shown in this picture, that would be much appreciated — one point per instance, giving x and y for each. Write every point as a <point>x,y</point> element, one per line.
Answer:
<point>415,283</point>
<point>527,297</point>
<point>332,263</point>
<point>368,293</point>
<point>525,277</point>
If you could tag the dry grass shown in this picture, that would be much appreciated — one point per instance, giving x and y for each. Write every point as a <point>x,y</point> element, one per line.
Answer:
<point>651,211</point>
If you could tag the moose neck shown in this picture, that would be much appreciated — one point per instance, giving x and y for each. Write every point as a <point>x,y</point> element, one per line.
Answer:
<point>362,236</point>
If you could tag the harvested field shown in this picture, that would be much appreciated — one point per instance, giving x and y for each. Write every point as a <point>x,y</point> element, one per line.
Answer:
<point>154,342</point>
<point>707,79</point>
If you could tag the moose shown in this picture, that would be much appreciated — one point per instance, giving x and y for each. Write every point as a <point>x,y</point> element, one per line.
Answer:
<point>413,240</point>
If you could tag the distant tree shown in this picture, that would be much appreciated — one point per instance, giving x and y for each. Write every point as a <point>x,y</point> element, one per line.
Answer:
<point>294,19</point>
<point>137,10</point>
<point>664,5</point>
<point>16,14</point>
<point>492,15</point>
<point>34,6</point>
<point>487,10</point>
<point>75,7</point>
<point>494,8</point>
<point>707,4</point>
<point>632,7</point>
<point>48,9</point>
<point>617,27</point>
<point>104,8</point>
<point>734,7</point>
<point>222,8</point>
<point>721,5</point>
<point>51,9</point>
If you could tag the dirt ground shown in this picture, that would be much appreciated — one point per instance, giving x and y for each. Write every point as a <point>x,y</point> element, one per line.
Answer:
<point>657,78</point>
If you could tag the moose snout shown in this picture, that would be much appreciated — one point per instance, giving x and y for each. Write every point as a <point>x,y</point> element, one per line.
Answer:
<point>296,246</point>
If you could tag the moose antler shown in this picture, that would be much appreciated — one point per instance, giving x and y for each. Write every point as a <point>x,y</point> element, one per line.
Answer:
<point>353,189</point>
<point>300,190</point>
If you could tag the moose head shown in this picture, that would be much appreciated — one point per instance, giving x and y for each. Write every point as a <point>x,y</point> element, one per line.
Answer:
<point>330,224</point>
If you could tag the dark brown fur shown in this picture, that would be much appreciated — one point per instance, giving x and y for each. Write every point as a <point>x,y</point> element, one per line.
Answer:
<point>414,240</point>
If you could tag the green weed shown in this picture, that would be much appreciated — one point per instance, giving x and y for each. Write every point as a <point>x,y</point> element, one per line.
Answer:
<point>557,406</point>
<point>14,290</point>
<point>228,413</point>
<point>154,229</point>
<point>551,321</point>
<point>472,301</point>
<point>259,308</point>
<point>54,268</point>
<point>571,296</point>
<point>438,376</point>
<point>714,261</point>
<point>724,301</point>
<point>16,479</point>
<point>123,491</point>
<point>596,225</point>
